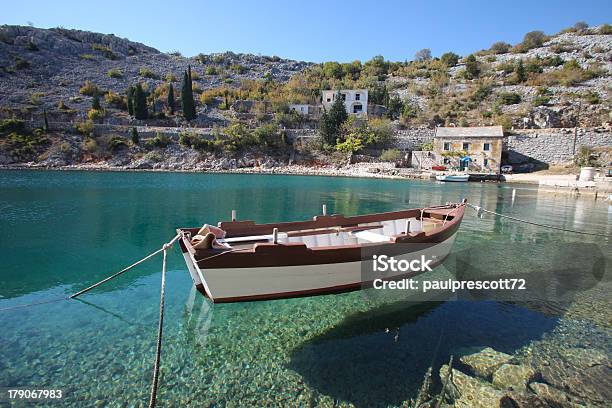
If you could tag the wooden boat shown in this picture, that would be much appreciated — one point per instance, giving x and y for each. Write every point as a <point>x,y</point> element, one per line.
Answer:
<point>453,177</point>
<point>485,177</point>
<point>247,261</point>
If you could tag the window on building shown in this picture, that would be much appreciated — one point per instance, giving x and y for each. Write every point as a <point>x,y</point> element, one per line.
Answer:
<point>466,146</point>
<point>446,160</point>
<point>357,97</point>
<point>447,147</point>
<point>486,147</point>
<point>344,97</point>
<point>328,99</point>
<point>357,108</point>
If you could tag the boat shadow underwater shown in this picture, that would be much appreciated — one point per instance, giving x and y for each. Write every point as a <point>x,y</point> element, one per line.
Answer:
<point>380,357</point>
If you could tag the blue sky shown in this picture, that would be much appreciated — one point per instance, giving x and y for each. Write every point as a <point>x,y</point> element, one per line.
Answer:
<point>312,30</point>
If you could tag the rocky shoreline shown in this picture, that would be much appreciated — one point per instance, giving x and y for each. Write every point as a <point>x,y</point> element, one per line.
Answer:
<point>378,170</point>
<point>369,171</point>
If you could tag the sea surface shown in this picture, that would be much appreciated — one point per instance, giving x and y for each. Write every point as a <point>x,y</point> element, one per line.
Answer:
<point>62,231</point>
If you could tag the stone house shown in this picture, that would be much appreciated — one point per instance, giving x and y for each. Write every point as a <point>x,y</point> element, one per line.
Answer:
<point>306,109</point>
<point>468,148</point>
<point>355,100</point>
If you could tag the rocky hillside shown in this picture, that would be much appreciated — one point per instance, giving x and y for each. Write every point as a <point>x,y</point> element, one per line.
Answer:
<point>562,82</point>
<point>40,68</point>
<point>63,98</point>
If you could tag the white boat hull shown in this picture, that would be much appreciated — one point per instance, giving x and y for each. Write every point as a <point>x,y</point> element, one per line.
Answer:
<point>453,177</point>
<point>259,283</point>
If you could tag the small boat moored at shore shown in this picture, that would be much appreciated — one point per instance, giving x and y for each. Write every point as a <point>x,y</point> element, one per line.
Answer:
<point>244,261</point>
<point>453,177</point>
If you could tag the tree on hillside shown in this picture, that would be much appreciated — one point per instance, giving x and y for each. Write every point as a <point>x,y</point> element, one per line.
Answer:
<point>471,67</point>
<point>46,121</point>
<point>171,98</point>
<point>134,136</point>
<point>450,59</point>
<point>581,26</point>
<point>500,47</point>
<point>140,103</point>
<point>423,55</point>
<point>395,107</point>
<point>130,100</point>
<point>519,70</point>
<point>95,102</point>
<point>534,39</point>
<point>332,69</point>
<point>331,123</point>
<point>379,95</point>
<point>187,96</point>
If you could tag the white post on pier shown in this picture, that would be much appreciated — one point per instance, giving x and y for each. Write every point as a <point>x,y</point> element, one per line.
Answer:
<point>324,209</point>
<point>275,236</point>
<point>233,215</point>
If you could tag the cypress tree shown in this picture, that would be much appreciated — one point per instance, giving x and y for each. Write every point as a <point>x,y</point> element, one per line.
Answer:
<point>140,103</point>
<point>171,98</point>
<point>331,123</point>
<point>521,75</point>
<point>471,67</point>
<point>46,124</point>
<point>134,136</point>
<point>187,96</point>
<point>130,100</point>
<point>95,102</point>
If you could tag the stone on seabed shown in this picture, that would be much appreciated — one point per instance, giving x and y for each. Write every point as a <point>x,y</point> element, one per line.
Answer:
<point>485,362</point>
<point>469,392</point>
<point>515,377</point>
<point>554,395</point>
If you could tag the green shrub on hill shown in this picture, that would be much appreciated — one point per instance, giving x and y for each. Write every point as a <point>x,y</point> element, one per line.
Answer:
<point>89,89</point>
<point>21,63</point>
<point>532,39</point>
<point>391,155</point>
<point>159,141</point>
<point>85,128</point>
<point>147,73</point>
<point>117,143</point>
<point>509,98</point>
<point>500,47</point>
<point>605,29</point>
<point>26,146</point>
<point>114,99</point>
<point>12,125</point>
<point>104,50</point>
<point>114,73</point>
<point>450,59</point>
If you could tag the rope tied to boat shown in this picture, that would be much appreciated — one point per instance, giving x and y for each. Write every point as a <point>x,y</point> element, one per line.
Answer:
<point>151,255</point>
<point>160,328</point>
<point>95,285</point>
<point>480,213</point>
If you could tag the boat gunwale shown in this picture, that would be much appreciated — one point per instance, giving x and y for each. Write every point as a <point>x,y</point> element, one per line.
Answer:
<point>291,254</point>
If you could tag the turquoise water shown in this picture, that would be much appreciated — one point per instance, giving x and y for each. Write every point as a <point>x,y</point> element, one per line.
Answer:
<point>61,231</point>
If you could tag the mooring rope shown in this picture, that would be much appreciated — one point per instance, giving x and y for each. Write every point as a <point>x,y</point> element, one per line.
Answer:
<point>160,329</point>
<point>42,302</point>
<point>163,248</point>
<point>74,295</point>
<point>479,209</point>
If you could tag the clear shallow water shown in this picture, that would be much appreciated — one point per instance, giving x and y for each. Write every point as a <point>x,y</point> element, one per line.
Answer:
<point>61,231</point>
